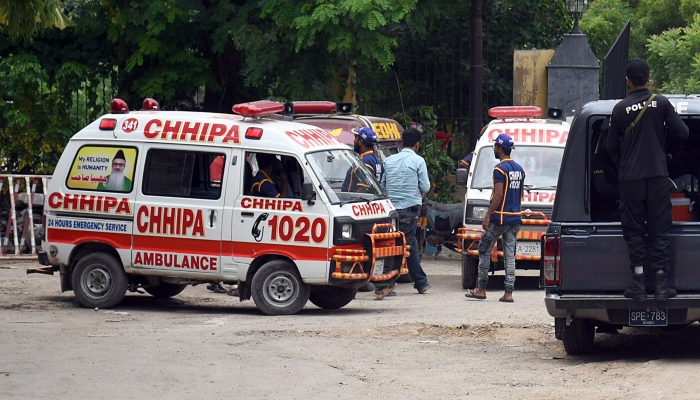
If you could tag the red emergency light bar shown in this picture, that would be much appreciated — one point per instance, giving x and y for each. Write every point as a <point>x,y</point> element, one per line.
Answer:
<point>515,112</point>
<point>258,108</point>
<point>118,106</point>
<point>149,104</point>
<point>313,107</point>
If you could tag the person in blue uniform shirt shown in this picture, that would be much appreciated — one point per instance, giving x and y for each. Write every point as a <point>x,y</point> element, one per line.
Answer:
<point>269,181</point>
<point>502,219</point>
<point>365,139</point>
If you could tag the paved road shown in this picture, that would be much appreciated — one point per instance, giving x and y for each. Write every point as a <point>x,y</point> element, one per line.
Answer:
<point>437,345</point>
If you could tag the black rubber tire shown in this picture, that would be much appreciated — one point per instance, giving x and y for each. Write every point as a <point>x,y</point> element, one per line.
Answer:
<point>331,297</point>
<point>99,280</point>
<point>165,290</point>
<point>578,337</point>
<point>277,289</point>
<point>470,272</point>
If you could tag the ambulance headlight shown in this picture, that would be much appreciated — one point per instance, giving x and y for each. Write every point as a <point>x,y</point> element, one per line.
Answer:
<point>479,212</point>
<point>346,231</point>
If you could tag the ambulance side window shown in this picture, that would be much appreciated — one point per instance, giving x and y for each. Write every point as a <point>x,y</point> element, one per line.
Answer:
<point>182,173</point>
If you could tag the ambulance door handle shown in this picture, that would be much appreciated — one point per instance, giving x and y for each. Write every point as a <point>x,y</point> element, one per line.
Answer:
<point>247,214</point>
<point>212,216</point>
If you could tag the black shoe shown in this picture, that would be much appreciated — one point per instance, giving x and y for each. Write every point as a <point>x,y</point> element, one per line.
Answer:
<point>663,292</point>
<point>637,292</point>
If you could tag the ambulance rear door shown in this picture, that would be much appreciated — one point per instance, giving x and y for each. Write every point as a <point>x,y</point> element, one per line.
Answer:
<point>179,210</point>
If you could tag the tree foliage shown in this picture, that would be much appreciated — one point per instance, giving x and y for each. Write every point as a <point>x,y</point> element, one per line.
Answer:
<point>24,19</point>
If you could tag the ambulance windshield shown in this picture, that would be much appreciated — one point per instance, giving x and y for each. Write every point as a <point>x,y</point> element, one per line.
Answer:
<point>344,177</point>
<point>541,165</point>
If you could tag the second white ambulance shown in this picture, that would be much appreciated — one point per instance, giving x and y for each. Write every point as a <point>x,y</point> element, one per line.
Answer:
<point>158,200</point>
<point>539,148</point>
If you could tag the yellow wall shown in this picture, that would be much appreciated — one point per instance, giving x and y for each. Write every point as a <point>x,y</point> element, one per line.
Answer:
<point>530,77</point>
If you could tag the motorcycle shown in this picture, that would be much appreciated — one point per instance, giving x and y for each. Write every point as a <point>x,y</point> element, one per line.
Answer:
<point>444,221</point>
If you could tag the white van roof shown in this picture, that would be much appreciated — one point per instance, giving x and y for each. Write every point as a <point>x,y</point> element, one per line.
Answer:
<point>207,129</point>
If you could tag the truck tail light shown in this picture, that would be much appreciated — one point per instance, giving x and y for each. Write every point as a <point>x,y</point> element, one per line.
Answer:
<point>552,262</point>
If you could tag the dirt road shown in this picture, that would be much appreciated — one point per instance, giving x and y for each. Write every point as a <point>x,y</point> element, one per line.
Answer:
<point>433,346</point>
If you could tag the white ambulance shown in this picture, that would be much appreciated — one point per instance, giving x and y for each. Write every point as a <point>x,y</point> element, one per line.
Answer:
<point>160,200</point>
<point>539,148</point>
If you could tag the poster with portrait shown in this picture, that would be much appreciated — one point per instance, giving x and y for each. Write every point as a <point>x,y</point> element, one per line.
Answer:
<point>103,168</point>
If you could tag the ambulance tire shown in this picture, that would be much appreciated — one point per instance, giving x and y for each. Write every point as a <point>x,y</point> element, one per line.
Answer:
<point>165,290</point>
<point>470,272</point>
<point>99,281</point>
<point>331,297</point>
<point>277,289</point>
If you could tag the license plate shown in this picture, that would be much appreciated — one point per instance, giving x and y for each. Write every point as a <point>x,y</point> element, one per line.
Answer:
<point>528,248</point>
<point>649,317</point>
<point>378,267</point>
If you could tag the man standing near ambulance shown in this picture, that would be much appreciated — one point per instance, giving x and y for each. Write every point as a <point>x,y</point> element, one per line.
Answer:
<point>502,218</point>
<point>637,139</point>
<point>406,182</point>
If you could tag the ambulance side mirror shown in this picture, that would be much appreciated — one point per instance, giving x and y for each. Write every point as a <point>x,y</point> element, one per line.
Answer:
<point>308,193</point>
<point>462,174</point>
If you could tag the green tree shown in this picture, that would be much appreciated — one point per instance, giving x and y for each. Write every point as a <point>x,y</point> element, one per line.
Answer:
<point>674,59</point>
<point>602,24</point>
<point>25,18</point>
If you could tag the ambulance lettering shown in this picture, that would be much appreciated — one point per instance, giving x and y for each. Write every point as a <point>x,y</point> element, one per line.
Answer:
<point>302,230</point>
<point>538,197</point>
<point>191,131</point>
<point>368,209</point>
<point>309,138</point>
<point>87,203</point>
<point>271,204</point>
<point>184,261</point>
<point>386,130</point>
<point>170,221</point>
<point>533,135</point>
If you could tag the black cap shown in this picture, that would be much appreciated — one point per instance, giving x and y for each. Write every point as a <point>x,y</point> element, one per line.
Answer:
<point>120,156</point>
<point>637,71</point>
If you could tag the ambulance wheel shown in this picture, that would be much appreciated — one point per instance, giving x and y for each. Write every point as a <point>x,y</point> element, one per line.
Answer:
<point>277,289</point>
<point>470,272</point>
<point>331,297</point>
<point>99,280</point>
<point>165,290</point>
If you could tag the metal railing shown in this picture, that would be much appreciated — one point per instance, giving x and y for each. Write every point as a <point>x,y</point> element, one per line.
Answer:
<point>20,238</point>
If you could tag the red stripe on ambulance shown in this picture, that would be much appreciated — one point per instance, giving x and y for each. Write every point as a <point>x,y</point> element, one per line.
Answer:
<point>69,236</point>
<point>294,252</point>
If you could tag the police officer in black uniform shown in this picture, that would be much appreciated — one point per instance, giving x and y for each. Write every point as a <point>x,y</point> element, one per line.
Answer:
<point>645,192</point>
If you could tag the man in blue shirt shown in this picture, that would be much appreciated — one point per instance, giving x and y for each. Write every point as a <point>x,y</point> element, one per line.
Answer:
<point>263,183</point>
<point>365,139</point>
<point>502,218</point>
<point>406,182</point>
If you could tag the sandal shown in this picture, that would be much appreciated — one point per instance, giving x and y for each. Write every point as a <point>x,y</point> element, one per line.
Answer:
<point>216,288</point>
<point>471,294</point>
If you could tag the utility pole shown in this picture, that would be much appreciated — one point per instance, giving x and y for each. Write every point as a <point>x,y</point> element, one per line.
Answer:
<point>475,73</point>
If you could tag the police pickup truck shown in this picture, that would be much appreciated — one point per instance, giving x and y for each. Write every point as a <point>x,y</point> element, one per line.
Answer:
<point>585,267</point>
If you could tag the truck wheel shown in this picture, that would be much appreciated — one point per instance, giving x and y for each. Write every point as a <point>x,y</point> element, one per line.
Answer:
<point>331,297</point>
<point>578,337</point>
<point>277,289</point>
<point>99,280</point>
<point>165,290</point>
<point>470,272</point>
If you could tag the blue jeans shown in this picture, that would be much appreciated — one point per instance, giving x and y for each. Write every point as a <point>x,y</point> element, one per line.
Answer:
<point>408,221</point>
<point>509,233</point>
